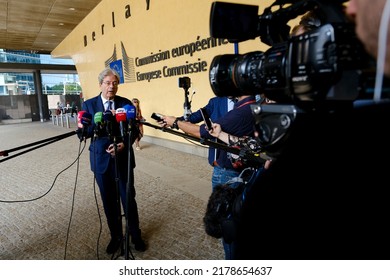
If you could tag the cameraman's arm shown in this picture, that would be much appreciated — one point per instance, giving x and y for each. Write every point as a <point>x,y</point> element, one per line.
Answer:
<point>187,127</point>
<point>222,135</point>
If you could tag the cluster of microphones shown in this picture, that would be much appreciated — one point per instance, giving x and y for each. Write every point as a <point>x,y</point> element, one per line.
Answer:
<point>125,117</point>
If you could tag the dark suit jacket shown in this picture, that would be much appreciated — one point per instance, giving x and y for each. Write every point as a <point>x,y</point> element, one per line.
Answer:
<point>100,160</point>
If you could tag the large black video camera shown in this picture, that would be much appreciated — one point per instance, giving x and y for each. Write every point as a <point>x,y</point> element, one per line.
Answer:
<point>315,66</point>
<point>318,69</point>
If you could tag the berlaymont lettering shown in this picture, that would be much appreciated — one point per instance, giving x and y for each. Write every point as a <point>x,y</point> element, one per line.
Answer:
<point>130,63</point>
<point>127,14</point>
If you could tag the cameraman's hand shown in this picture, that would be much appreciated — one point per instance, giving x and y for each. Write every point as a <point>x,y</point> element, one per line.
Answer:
<point>215,130</point>
<point>169,120</point>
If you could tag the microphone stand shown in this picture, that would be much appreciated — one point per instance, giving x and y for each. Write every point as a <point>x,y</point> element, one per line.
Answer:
<point>130,178</point>
<point>187,104</point>
<point>118,195</point>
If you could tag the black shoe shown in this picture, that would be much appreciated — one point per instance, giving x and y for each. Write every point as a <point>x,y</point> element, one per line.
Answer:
<point>114,245</point>
<point>139,244</point>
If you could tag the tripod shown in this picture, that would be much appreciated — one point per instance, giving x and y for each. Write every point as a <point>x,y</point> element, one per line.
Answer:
<point>185,83</point>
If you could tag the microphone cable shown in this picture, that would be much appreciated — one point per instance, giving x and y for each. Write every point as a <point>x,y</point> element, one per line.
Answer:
<point>97,204</point>
<point>80,151</point>
<point>98,211</point>
<point>51,187</point>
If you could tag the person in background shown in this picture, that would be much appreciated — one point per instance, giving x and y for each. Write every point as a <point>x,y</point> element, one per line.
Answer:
<point>67,108</point>
<point>59,108</point>
<point>73,109</point>
<point>107,158</point>
<point>139,118</point>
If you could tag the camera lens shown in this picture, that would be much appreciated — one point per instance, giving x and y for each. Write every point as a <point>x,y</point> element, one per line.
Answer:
<point>236,75</point>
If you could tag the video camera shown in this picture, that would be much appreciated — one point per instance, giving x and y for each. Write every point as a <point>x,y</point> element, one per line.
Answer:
<point>184,82</point>
<point>321,69</point>
<point>314,66</point>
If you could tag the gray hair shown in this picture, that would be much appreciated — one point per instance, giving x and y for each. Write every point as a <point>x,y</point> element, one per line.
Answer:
<point>107,72</point>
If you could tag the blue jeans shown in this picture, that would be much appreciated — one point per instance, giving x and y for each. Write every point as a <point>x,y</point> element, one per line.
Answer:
<point>220,177</point>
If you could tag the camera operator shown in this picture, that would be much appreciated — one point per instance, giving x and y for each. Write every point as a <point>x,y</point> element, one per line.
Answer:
<point>367,27</point>
<point>216,108</point>
<point>239,122</point>
<point>327,195</point>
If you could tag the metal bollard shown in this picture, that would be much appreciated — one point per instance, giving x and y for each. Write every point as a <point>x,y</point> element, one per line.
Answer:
<point>61,119</point>
<point>67,120</point>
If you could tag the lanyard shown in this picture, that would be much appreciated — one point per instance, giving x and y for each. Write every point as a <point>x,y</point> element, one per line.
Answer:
<point>246,103</point>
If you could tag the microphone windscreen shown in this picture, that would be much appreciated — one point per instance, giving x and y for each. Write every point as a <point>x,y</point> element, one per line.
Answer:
<point>79,117</point>
<point>120,115</point>
<point>130,112</point>
<point>86,119</point>
<point>98,118</point>
<point>108,116</point>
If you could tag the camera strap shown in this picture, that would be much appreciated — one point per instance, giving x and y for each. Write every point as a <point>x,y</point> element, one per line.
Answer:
<point>246,103</point>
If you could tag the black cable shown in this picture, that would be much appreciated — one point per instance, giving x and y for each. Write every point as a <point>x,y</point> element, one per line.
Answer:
<point>51,187</point>
<point>73,197</point>
<point>46,142</point>
<point>96,202</point>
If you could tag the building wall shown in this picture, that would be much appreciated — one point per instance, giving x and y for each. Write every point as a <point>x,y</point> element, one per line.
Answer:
<point>129,30</point>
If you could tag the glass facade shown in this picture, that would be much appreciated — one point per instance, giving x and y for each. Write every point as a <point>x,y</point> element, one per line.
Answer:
<point>18,90</point>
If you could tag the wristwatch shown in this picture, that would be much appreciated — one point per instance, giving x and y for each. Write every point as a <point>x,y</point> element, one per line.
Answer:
<point>175,125</point>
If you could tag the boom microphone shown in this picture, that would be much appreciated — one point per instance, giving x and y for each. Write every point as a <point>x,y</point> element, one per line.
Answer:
<point>121,116</point>
<point>108,118</point>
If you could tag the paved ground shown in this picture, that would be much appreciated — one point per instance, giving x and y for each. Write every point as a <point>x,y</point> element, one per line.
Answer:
<point>50,207</point>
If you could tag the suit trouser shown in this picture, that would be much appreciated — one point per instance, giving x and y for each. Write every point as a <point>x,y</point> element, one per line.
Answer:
<point>111,205</point>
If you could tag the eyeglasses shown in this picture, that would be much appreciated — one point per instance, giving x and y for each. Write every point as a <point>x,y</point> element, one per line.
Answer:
<point>114,84</point>
<point>135,101</point>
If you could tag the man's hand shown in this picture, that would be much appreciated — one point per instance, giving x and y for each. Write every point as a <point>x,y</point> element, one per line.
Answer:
<point>111,149</point>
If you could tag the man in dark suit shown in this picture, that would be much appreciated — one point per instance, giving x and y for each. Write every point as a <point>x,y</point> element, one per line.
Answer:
<point>109,159</point>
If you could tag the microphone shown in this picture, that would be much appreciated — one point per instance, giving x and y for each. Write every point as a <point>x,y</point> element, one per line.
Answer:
<point>121,116</point>
<point>84,119</point>
<point>98,120</point>
<point>79,116</point>
<point>131,113</point>
<point>108,118</point>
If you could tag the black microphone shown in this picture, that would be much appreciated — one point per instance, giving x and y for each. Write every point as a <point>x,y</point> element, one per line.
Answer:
<point>108,118</point>
<point>120,116</point>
